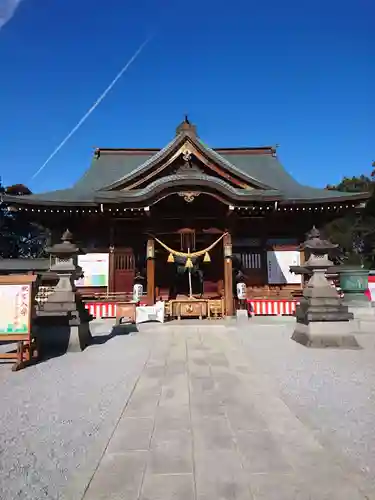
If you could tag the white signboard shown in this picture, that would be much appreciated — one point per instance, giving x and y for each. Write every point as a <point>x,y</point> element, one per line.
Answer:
<point>14,309</point>
<point>278,263</point>
<point>95,267</point>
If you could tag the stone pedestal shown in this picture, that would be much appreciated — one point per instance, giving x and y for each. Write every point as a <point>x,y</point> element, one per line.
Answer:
<point>242,315</point>
<point>55,334</point>
<point>322,319</point>
<point>326,334</point>
<point>79,338</point>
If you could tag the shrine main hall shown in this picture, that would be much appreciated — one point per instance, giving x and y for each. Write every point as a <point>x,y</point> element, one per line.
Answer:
<point>187,220</point>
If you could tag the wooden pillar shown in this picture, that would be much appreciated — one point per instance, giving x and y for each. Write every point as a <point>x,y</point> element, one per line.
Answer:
<point>111,277</point>
<point>228,274</point>
<point>150,271</point>
<point>302,263</point>
<point>264,261</point>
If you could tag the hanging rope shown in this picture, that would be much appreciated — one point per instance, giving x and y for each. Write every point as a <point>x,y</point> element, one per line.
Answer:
<point>190,255</point>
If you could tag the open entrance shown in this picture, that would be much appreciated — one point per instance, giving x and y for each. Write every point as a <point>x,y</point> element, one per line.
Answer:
<point>189,222</point>
<point>174,278</point>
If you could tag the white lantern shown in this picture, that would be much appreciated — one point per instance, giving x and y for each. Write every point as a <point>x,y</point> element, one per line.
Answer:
<point>137,292</point>
<point>241,291</point>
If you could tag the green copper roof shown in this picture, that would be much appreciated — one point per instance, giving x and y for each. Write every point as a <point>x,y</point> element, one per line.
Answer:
<point>108,168</point>
<point>258,166</point>
<point>268,169</point>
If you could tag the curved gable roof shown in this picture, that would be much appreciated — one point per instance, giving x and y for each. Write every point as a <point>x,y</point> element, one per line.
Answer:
<point>257,166</point>
<point>180,140</point>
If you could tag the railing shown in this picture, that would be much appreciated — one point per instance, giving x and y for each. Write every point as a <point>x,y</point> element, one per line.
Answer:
<point>45,291</point>
<point>109,297</point>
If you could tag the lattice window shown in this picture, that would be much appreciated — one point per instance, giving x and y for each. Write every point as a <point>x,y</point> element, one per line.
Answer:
<point>187,239</point>
<point>124,262</point>
<point>250,260</point>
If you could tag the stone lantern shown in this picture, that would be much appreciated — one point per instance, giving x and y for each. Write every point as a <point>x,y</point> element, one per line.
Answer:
<point>316,247</point>
<point>64,318</point>
<point>322,319</point>
<point>64,267</point>
<point>317,250</point>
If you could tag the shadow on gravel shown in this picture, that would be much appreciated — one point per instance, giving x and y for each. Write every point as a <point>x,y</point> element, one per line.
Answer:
<point>124,329</point>
<point>58,346</point>
<point>48,350</point>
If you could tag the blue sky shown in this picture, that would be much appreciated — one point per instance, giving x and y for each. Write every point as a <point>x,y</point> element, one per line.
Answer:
<point>299,74</point>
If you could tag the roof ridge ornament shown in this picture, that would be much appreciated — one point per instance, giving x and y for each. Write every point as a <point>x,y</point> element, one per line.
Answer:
<point>67,236</point>
<point>186,127</point>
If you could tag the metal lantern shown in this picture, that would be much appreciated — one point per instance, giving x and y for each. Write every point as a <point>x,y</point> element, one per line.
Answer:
<point>227,250</point>
<point>150,249</point>
<point>137,292</point>
<point>241,291</point>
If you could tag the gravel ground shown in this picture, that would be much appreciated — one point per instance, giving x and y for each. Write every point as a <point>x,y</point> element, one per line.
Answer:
<point>56,418</point>
<point>331,391</point>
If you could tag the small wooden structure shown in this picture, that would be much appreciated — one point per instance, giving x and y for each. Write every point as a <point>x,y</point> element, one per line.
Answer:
<point>189,308</point>
<point>125,312</point>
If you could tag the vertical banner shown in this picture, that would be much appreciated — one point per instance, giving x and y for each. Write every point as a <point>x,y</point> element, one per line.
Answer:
<point>278,263</point>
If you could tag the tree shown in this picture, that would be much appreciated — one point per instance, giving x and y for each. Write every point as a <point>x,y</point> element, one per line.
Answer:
<point>353,184</point>
<point>17,190</point>
<point>19,238</point>
<point>355,232</point>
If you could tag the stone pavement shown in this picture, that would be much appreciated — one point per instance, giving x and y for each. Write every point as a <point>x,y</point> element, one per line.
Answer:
<point>204,423</point>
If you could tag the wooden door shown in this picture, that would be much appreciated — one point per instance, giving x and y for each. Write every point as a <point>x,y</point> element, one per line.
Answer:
<point>124,269</point>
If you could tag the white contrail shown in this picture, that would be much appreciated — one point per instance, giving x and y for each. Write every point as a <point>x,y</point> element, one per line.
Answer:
<point>97,102</point>
<point>7,10</point>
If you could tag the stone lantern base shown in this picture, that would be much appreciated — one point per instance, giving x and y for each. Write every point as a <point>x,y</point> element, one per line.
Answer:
<point>61,333</point>
<point>322,319</point>
<point>320,334</point>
